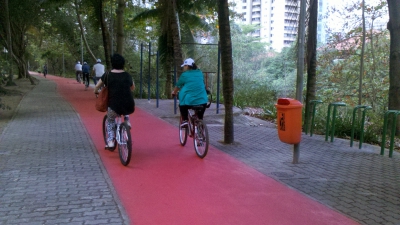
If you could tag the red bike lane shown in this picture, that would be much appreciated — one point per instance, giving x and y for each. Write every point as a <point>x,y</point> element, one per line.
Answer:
<point>166,183</point>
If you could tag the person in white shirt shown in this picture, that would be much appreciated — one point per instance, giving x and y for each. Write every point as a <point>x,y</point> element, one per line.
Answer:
<point>78,71</point>
<point>98,70</point>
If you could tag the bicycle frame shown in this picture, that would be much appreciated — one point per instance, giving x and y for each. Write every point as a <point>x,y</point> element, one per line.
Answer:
<point>192,119</point>
<point>118,122</point>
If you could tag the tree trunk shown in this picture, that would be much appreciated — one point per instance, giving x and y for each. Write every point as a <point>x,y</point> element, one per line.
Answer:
<point>176,37</point>
<point>168,66</point>
<point>120,26</point>
<point>10,81</point>
<point>362,56</point>
<point>394,67</point>
<point>311,61</point>
<point>227,68</point>
<point>106,36</point>
<point>83,33</point>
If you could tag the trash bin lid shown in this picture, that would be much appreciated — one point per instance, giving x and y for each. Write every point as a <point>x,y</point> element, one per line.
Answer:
<point>289,102</point>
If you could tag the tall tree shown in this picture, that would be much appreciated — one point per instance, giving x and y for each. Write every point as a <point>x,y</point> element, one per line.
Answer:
<point>394,69</point>
<point>120,26</point>
<point>100,17</point>
<point>311,58</point>
<point>9,43</point>
<point>176,35</point>
<point>78,15</point>
<point>360,83</point>
<point>22,16</point>
<point>227,68</point>
<point>178,21</point>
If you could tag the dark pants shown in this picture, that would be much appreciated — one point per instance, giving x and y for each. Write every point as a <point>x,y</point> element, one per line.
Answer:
<point>96,79</point>
<point>86,79</point>
<point>78,76</point>
<point>184,111</point>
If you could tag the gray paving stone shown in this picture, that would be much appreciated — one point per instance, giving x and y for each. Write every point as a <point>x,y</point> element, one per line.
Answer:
<point>50,172</point>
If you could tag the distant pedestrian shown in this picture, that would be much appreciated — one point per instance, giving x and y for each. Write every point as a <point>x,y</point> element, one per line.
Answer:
<point>45,70</point>
<point>78,71</point>
<point>98,70</point>
<point>85,72</point>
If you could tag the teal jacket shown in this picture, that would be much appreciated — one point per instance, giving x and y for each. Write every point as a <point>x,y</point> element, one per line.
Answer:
<point>192,88</point>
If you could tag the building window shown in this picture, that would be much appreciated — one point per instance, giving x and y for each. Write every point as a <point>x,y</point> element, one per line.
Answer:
<point>244,7</point>
<point>244,1</point>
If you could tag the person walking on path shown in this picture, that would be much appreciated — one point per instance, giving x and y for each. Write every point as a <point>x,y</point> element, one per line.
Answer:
<point>120,99</point>
<point>78,71</point>
<point>85,72</point>
<point>192,90</point>
<point>45,70</point>
<point>98,70</point>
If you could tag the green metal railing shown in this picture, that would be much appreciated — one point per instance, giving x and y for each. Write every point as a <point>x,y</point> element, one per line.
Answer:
<point>332,130</point>
<point>313,104</point>
<point>364,110</point>
<point>394,114</point>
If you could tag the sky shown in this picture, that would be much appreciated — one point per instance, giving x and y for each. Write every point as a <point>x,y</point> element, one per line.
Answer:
<point>336,22</point>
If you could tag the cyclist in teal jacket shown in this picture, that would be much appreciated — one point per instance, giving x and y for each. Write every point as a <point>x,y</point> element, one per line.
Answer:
<point>192,90</point>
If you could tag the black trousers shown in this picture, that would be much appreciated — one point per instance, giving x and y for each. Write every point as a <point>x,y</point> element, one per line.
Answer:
<point>184,111</point>
<point>86,79</point>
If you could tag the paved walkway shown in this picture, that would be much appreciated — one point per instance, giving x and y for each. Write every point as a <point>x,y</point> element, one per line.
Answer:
<point>44,179</point>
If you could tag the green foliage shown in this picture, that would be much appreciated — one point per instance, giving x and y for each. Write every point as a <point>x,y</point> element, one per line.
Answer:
<point>260,76</point>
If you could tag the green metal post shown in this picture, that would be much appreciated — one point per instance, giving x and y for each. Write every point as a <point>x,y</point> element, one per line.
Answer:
<point>333,123</point>
<point>362,126</point>
<point>361,107</point>
<point>313,103</point>
<point>327,123</point>
<point>395,113</point>
<point>332,131</point>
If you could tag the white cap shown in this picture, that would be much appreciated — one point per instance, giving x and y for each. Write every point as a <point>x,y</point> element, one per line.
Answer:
<point>98,60</point>
<point>188,62</point>
<point>84,63</point>
<point>79,62</point>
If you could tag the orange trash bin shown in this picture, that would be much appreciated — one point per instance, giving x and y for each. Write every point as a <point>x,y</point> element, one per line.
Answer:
<point>289,120</point>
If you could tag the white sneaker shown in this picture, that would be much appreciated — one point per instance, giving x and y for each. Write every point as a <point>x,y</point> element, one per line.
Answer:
<point>110,144</point>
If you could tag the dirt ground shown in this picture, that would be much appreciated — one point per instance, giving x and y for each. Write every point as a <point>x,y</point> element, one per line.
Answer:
<point>11,99</point>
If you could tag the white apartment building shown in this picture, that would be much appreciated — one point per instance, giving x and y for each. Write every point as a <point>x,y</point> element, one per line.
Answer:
<point>278,20</point>
<point>322,36</point>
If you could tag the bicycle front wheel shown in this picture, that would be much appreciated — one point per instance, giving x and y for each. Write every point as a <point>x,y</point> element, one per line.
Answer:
<point>125,144</point>
<point>183,133</point>
<point>200,139</point>
<point>105,133</point>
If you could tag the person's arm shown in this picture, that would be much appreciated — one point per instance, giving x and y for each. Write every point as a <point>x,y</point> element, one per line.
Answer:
<point>175,91</point>
<point>98,85</point>
<point>178,86</point>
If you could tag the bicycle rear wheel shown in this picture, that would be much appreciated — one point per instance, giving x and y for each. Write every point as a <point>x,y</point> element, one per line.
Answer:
<point>200,139</point>
<point>105,133</point>
<point>183,133</point>
<point>125,145</point>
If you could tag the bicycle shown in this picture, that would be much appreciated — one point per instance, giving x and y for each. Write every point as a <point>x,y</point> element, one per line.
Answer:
<point>197,129</point>
<point>122,138</point>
